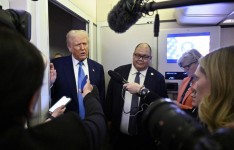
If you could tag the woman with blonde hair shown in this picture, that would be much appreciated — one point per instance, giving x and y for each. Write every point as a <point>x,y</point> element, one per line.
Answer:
<point>214,82</point>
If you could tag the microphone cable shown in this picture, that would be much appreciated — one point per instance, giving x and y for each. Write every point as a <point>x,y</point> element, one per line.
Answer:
<point>140,108</point>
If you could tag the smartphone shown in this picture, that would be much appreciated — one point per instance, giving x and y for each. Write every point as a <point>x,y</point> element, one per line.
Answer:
<point>83,82</point>
<point>62,101</point>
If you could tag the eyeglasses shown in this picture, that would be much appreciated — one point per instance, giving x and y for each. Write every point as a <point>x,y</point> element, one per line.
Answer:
<point>144,57</point>
<point>187,66</point>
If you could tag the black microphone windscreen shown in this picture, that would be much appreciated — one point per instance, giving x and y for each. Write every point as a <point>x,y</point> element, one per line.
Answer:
<point>18,20</point>
<point>122,17</point>
<point>117,77</point>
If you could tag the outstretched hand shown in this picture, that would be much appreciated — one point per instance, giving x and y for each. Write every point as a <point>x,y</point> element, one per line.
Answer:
<point>87,88</point>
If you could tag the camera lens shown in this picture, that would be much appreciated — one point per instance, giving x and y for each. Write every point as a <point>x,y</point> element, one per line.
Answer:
<point>171,126</point>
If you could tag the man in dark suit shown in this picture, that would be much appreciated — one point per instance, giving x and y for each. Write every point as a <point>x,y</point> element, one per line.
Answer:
<point>67,70</point>
<point>118,101</point>
<point>20,90</point>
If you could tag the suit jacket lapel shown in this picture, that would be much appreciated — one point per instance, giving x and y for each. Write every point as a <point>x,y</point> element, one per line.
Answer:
<point>91,70</point>
<point>69,74</point>
<point>188,92</point>
<point>186,95</point>
<point>149,77</point>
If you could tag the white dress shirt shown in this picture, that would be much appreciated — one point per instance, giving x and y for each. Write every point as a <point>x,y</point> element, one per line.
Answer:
<point>128,99</point>
<point>76,68</point>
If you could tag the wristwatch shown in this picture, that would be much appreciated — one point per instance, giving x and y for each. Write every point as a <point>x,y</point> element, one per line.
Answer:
<point>143,92</point>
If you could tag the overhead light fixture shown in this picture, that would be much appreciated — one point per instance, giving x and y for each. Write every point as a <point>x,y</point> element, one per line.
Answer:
<point>228,21</point>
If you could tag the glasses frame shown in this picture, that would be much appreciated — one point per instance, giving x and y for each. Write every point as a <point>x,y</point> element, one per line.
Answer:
<point>188,66</point>
<point>143,57</point>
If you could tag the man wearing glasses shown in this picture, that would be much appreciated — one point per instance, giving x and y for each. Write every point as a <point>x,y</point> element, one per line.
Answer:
<point>124,119</point>
<point>188,62</point>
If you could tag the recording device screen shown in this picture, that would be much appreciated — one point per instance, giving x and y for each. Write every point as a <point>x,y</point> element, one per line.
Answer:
<point>179,43</point>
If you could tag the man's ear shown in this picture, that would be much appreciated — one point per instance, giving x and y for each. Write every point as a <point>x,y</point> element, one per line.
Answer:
<point>69,47</point>
<point>33,102</point>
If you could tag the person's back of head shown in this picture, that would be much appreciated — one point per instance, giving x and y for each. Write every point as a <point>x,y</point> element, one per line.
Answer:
<point>22,70</point>
<point>57,55</point>
<point>217,109</point>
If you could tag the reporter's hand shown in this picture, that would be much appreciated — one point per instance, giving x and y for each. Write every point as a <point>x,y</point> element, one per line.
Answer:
<point>87,88</point>
<point>132,87</point>
<point>58,111</point>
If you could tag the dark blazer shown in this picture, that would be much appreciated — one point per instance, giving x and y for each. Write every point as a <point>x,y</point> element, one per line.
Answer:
<point>65,83</point>
<point>67,131</point>
<point>154,81</point>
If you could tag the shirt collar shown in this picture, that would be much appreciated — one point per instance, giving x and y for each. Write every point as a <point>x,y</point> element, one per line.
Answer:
<point>134,71</point>
<point>75,61</point>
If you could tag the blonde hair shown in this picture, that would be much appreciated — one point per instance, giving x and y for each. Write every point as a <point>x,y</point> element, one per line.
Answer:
<point>217,109</point>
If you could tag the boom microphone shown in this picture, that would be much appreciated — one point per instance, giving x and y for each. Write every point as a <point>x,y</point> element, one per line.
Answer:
<point>127,12</point>
<point>156,25</point>
<point>124,14</point>
<point>117,77</point>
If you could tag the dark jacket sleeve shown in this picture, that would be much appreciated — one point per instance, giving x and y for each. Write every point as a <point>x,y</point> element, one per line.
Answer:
<point>68,131</point>
<point>95,120</point>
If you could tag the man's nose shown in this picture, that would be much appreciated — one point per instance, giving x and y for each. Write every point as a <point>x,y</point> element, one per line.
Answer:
<point>81,46</point>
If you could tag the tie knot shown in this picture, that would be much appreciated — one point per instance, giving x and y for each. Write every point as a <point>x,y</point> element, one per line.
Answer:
<point>138,73</point>
<point>80,63</point>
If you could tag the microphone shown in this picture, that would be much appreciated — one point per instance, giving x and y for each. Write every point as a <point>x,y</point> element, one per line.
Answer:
<point>117,77</point>
<point>156,25</point>
<point>124,14</point>
<point>127,12</point>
